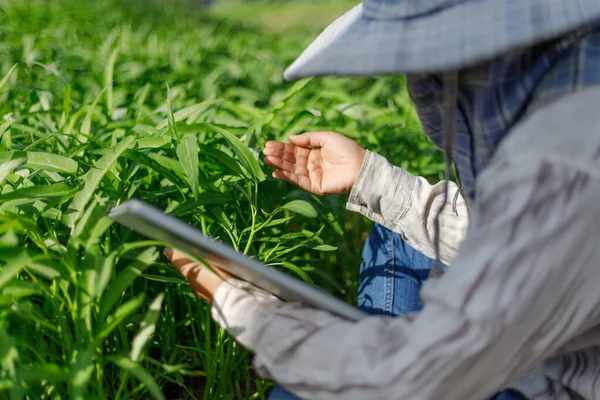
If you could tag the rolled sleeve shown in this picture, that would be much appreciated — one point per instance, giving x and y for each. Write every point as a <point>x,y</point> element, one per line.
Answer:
<point>408,205</point>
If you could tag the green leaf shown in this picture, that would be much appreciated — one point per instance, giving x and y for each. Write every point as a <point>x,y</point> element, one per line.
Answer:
<point>301,207</point>
<point>47,268</point>
<point>108,80</point>
<point>225,222</point>
<point>68,92</point>
<point>157,163</point>
<point>7,77</point>
<point>329,217</point>
<point>203,199</point>
<point>5,128</point>
<point>222,158</point>
<point>12,268</point>
<point>87,121</point>
<point>124,311</point>
<point>170,117</point>
<point>165,279</point>
<point>187,112</point>
<point>295,88</point>
<point>97,230</point>
<point>303,275</point>
<point>325,247</point>
<point>10,160</point>
<point>81,371</point>
<point>9,239</point>
<point>278,221</point>
<point>154,142</point>
<point>17,289</point>
<point>146,130</point>
<point>91,215</point>
<point>6,384</point>
<point>8,353</point>
<point>169,163</point>
<point>125,279</point>
<point>86,281</point>
<point>91,180</point>
<point>244,154</point>
<point>43,372</point>
<point>104,272</point>
<point>147,328</point>
<point>136,370</point>
<point>187,152</point>
<point>38,192</point>
<point>50,162</point>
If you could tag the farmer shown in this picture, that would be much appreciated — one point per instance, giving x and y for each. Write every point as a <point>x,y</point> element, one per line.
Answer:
<point>508,89</point>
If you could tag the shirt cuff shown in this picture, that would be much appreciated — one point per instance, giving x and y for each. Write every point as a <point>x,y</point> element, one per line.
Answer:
<point>236,307</point>
<point>263,323</point>
<point>382,191</point>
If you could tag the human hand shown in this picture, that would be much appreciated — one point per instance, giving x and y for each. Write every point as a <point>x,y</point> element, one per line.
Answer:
<point>319,162</point>
<point>204,282</point>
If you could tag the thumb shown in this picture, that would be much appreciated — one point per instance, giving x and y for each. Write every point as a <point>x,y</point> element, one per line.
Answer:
<point>316,139</point>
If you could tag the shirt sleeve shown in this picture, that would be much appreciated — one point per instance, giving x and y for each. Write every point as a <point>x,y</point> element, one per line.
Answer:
<point>408,205</point>
<point>524,284</point>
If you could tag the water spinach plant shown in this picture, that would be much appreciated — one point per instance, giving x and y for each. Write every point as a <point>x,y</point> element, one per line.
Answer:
<point>101,102</point>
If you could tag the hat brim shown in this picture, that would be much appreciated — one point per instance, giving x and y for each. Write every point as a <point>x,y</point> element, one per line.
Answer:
<point>456,37</point>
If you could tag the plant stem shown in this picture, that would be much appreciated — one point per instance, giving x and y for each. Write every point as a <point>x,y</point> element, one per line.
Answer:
<point>254,212</point>
<point>122,385</point>
<point>203,224</point>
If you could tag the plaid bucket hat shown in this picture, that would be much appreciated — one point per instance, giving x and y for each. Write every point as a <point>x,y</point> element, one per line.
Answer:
<point>425,36</point>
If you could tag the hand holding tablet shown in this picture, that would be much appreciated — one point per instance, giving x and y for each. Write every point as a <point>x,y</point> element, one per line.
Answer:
<point>152,222</point>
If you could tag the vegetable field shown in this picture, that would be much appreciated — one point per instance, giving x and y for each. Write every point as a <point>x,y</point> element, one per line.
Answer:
<point>103,101</point>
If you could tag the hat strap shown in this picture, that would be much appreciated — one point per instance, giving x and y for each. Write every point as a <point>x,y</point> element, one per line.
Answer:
<point>449,104</point>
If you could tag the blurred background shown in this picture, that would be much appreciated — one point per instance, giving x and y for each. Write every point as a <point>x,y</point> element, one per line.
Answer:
<point>281,16</point>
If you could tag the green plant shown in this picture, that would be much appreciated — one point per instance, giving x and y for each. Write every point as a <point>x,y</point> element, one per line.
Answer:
<point>103,101</point>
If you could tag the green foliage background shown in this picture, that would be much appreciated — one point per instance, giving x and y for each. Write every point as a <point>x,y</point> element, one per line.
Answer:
<point>102,101</point>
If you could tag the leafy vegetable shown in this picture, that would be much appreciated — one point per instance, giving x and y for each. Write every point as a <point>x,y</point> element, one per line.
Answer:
<point>102,101</point>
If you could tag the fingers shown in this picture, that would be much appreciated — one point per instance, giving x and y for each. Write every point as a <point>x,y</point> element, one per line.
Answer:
<point>184,264</point>
<point>300,180</point>
<point>279,149</point>
<point>181,263</point>
<point>295,167</point>
<point>273,147</point>
<point>296,152</point>
<point>204,282</point>
<point>287,157</point>
<point>296,164</point>
<point>316,139</point>
<point>299,143</point>
<point>289,177</point>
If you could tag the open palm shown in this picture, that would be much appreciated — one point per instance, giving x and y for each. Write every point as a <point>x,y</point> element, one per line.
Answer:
<point>319,162</point>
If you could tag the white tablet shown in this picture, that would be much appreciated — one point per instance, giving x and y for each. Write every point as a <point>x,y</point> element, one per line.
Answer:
<point>152,222</point>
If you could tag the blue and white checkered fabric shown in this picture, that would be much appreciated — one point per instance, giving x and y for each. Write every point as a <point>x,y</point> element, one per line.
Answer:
<point>424,36</point>
<point>495,95</point>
